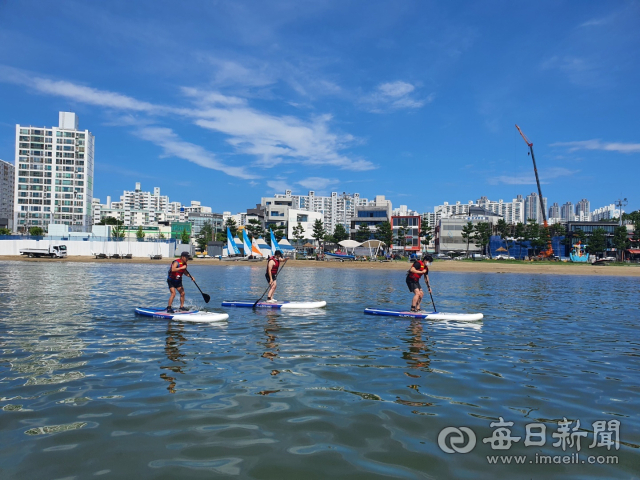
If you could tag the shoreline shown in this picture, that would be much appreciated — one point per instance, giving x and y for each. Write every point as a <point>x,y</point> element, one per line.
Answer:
<point>484,266</point>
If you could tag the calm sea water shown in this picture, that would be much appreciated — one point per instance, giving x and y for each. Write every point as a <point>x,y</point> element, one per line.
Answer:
<point>89,389</point>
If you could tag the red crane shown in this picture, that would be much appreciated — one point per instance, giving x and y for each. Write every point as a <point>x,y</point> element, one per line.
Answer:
<point>549,251</point>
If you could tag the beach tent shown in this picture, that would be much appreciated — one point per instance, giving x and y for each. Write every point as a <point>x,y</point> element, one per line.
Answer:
<point>372,247</point>
<point>264,247</point>
<point>285,245</point>
<point>501,249</point>
<point>349,244</point>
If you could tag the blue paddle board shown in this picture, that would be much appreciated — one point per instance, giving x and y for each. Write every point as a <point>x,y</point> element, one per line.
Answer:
<point>277,305</point>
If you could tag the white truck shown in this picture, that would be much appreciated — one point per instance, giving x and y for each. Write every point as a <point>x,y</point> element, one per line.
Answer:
<point>54,251</point>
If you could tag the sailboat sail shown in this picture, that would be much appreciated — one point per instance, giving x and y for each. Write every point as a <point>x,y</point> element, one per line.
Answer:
<point>274,243</point>
<point>246,244</point>
<point>255,250</point>
<point>232,248</point>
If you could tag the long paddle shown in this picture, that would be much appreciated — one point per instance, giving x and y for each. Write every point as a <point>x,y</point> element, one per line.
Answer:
<point>265,292</point>
<point>432,302</point>
<point>204,295</point>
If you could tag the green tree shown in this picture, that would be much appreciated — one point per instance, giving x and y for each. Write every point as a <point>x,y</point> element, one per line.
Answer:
<point>205,236</point>
<point>519,234</point>
<point>279,232</point>
<point>363,233</point>
<point>340,233</point>
<point>532,235</point>
<point>36,231</point>
<point>231,224</point>
<point>117,232</point>
<point>221,237</point>
<point>254,229</point>
<point>557,230</point>
<point>140,233</point>
<point>402,238</point>
<point>621,241</point>
<point>5,231</point>
<point>426,232</point>
<point>109,221</point>
<point>597,242</point>
<point>161,236</point>
<point>384,233</point>
<point>298,233</point>
<point>504,230</point>
<point>468,234</point>
<point>482,235</point>
<point>318,231</point>
<point>185,237</point>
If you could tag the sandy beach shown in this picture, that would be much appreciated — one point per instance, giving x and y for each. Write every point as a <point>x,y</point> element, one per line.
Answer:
<point>485,266</point>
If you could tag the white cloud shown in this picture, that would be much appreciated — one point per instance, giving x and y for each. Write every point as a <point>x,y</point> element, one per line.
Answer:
<point>317,183</point>
<point>175,147</point>
<point>394,96</point>
<point>271,138</point>
<point>278,185</point>
<point>598,145</point>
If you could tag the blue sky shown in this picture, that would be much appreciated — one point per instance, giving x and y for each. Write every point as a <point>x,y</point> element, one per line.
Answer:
<point>229,101</point>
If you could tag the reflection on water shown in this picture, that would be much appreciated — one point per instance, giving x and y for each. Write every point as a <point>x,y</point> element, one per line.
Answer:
<point>313,394</point>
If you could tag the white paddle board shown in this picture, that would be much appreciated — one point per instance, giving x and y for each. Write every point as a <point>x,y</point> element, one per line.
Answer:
<point>190,316</point>
<point>276,305</point>
<point>461,317</point>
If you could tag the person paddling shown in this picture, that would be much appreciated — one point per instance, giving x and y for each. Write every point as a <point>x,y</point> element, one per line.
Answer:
<point>273,265</point>
<point>174,279</point>
<point>419,268</point>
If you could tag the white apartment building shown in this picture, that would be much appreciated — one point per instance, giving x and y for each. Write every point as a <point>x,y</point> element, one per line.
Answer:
<point>606,213</point>
<point>304,218</point>
<point>7,192</point>
<point>338,208</point>
<point>583,208</point>
<point>54,188</point>
<point>513,212</point>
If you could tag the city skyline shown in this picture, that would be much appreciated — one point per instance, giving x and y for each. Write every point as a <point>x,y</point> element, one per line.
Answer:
<point>415,102</point>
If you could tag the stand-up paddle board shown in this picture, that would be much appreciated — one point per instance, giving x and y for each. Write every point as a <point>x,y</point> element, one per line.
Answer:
<point>461,317</point>
<point>277,305</point>
<point>190,316</point>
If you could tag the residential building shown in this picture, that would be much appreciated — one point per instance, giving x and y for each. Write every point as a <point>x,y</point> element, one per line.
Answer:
<point>448,234</point>
<point>583,208</point>
<point>533,209</point>
<point>304,218</point>
<point>554,210</point>
<point>513,212</point>
<point>199,219</point>
<point>373,213</point>
<point>338,208</point>
<point>7,193</point>
<point>410,224</point>
<point>566,212</point>
<point>605,213</point>
<point>54,188</point>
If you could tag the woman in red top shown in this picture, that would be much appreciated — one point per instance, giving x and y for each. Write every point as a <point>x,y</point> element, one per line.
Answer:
<point>174,279</point>
<point>272,272</point>
<point>419,268</point>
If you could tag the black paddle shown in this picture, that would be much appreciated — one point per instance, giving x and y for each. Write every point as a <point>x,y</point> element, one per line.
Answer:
<point>204,295</point>
<point>265,292</point>
<point>432,302</point>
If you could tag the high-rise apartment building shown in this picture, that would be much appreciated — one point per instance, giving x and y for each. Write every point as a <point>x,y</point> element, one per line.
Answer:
<point>532,207</point>
<point>512,212</point>
<point>606,213</point>
<point>7,182</point>
<point>554,210</point>
<point>54,175</point>
<point>338,208</point>
<point>566,212</point>
<point>583,208</point>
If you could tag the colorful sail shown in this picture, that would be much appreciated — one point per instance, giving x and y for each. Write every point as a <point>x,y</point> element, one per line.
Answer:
<point>255,250</point>
<point>232,248</point>
<point>246,243</point>
<point>274,243</point>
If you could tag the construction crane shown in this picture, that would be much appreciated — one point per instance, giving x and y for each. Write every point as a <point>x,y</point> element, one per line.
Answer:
<point>549,251</point>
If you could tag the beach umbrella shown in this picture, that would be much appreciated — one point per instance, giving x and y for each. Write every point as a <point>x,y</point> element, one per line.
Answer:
<point>501,249</point>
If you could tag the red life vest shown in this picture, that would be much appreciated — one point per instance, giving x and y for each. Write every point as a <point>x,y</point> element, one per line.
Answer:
<point>176,275</point>
<point>276,265</point>
<point>416,276</point>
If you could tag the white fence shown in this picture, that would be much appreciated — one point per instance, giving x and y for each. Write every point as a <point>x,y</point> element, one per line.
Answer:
<point>93,247</point>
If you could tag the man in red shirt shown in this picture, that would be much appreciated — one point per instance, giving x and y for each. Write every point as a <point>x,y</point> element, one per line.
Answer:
<point>174,279</point>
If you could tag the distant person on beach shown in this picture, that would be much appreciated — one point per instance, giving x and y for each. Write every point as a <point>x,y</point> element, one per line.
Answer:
<point>419,268</point>
<point>177,270</point>
<point>273,266</point>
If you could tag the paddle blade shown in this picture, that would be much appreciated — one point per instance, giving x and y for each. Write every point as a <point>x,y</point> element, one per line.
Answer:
<point>206,298</point>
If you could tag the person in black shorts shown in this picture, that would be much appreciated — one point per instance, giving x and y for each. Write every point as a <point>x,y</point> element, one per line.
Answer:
<point>419,268</point>
<point>273,266</point>
<point>177,270</point>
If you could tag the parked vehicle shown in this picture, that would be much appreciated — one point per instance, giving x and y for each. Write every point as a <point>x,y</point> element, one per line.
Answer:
<point>54,251</point>
<point>504,257</point>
